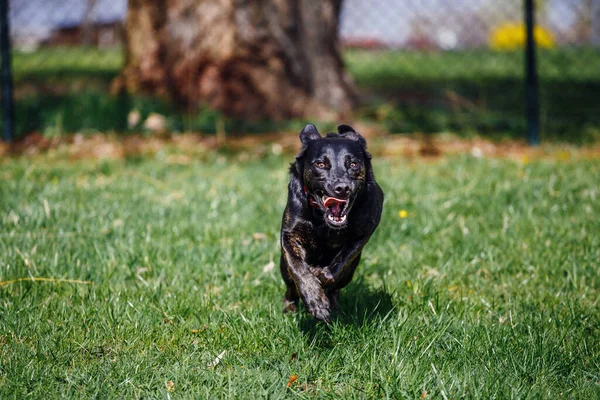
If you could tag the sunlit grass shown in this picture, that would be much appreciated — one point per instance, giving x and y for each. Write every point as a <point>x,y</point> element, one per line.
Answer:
<point>66,64</point>
<point>382,68</point>
<point>481,282</point>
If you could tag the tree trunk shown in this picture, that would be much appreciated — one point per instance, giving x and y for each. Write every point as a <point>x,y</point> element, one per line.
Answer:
<point>248,58</point>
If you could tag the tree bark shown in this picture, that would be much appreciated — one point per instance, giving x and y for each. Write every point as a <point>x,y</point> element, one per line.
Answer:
<point>248,58</point>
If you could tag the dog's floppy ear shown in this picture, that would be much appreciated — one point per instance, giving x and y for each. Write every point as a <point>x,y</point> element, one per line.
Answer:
<point>309,133</point>
<point>349,133</point>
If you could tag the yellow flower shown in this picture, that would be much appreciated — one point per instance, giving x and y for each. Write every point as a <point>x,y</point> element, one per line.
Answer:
<point>563,155</point>
<point>402,214</point>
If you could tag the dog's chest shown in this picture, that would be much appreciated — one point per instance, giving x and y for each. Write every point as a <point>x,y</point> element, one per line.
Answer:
<point>336,239</point>
<point>325,244</point>
<point>330,243</point>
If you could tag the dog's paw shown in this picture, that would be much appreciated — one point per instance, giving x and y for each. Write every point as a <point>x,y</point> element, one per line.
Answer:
<point>323,275</point>
<point>319,308</point>
<point>314,297</point>
<point>289,306</point>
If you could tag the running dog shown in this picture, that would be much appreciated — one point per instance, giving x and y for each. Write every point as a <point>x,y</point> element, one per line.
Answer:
<point>334,205</point>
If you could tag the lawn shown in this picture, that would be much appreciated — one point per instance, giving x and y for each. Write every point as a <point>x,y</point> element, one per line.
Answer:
<point>65,89</point>
<point>488,288</point>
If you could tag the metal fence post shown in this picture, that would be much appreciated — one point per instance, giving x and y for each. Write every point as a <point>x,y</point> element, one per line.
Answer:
<point>7,92</point>
<point>531,78</point>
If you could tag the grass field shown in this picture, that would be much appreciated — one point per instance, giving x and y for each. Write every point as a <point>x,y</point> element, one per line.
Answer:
<point>488,288</point>
<point>370,68</point>
<point>65,90</point>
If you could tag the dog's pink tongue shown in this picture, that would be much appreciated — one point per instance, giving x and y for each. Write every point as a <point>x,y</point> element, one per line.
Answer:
<point>334,205</point>
<point>332,200</point>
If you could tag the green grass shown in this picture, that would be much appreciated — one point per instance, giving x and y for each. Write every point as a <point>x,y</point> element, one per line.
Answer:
<point>488,289</point>
<point>381,68</point>
<point>476,91</point>
<point>370,68</point>
<point>480,91</point>
<point>55,65</point>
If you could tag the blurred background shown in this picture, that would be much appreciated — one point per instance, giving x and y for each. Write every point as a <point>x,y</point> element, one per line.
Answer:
<point>417,66</point>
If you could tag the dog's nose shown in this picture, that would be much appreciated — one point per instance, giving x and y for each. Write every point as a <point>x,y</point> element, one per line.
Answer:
<point>341,190</point>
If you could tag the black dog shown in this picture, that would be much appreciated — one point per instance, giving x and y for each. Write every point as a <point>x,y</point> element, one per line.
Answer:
<point>333,208</point>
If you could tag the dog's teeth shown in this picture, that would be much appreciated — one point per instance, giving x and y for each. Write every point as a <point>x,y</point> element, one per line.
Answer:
<point>337,220</point>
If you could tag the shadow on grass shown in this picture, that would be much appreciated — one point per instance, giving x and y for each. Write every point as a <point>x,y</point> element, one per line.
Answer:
<point>491,107</point>
<point>360,306</point>
<point>95,110</point>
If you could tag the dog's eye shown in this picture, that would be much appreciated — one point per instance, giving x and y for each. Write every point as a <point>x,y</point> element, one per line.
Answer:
<point>320,164</point>
<point>353,164</point>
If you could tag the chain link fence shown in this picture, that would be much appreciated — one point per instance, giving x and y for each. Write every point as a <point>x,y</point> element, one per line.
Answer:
<point>459,65</point>
<point>421,65</point>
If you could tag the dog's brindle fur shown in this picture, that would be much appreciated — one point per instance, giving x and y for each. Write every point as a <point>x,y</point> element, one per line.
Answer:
<point>319,254</point>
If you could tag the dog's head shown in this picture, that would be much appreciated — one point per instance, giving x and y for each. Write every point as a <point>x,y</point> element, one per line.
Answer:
<point>333,170</point>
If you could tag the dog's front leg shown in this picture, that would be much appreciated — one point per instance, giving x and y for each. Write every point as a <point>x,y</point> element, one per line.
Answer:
<point>323,274</point>
<point>309,287</point>
<point>342,264</point>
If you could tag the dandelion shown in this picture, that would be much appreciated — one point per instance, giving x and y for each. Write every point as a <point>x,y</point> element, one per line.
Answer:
<point>402,214</point>
<point>563,155</point>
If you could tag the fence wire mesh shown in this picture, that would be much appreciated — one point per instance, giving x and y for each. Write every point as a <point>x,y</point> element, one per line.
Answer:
<point>421,65</point>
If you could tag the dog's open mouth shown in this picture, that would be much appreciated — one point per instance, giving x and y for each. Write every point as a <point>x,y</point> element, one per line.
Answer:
<point>336,210</point>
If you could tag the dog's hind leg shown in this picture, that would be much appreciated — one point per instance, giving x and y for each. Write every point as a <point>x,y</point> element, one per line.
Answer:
<point>290,301</point>
<point>333,296</point>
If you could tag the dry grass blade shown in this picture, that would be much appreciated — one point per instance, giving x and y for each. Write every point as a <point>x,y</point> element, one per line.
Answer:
<point>53,280</point>
<point>291,380</point>
<point>216,360</point>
